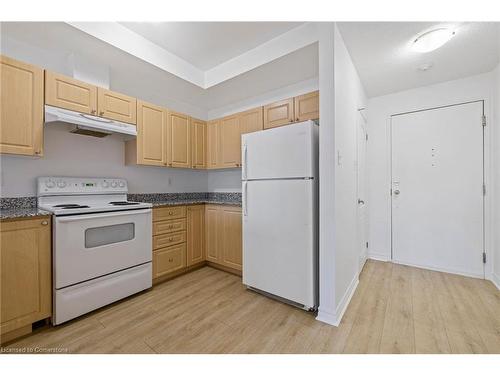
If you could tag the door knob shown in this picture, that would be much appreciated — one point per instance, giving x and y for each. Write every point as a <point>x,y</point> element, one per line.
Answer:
<point>396,192</point>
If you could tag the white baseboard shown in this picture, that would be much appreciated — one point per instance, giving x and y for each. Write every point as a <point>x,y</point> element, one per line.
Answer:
<point>335,319</point>
<point>383,257</point>
<point>495,279</point>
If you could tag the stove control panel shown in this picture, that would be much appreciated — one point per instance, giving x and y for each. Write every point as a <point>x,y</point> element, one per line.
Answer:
<point>80,186</point>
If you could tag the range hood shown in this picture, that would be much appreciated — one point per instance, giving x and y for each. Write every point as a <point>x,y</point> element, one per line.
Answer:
<point>89,125</point>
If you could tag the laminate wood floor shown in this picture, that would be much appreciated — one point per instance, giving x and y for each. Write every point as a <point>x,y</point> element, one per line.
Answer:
<point>396,309</point>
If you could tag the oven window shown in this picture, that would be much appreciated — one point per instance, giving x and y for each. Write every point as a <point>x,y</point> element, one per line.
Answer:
<point>109,234</point>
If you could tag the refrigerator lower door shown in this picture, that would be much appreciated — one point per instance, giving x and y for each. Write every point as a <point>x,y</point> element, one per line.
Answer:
<point>279,239</point>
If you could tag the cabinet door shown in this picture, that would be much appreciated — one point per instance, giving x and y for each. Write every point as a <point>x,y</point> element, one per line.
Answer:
<point>278,114</point>
<point>69,93</point>
<point>213,147</point>
<point>212,233</point>
<point>230,141</point>
<point>179,146</point>
<point>151,134</point>
<point>252,121</point>
<point>307,106</point>
<point>25,257</point>
<point>21,108</point>
<point>116,106</point>
<point>195,234</point>
<point>168,260</point>
<point>198,143</point>
<point>231,237</point>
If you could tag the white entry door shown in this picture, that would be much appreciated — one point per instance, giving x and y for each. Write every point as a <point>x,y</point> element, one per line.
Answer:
<point>437,189</point>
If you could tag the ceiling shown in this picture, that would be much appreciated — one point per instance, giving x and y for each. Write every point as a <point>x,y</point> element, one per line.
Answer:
<point>208,44</point>
<point>54,45</point>
<point>385,63</point>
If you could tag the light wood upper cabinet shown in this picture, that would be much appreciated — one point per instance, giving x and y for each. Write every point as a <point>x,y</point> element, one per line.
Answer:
<point>69,93</point>
<point>213,144</point>
<point>21,108</point>
<point>198,143</point>
<point>230,142</point>
<point>307,106</point>
<point>278,113</point>
<point>25,278</point>
<point>150,147</point>
<point>116,106</point>
<point>179,140</point>
<point>252,120</point>
<point>195,234</point>
<point>231,237</point>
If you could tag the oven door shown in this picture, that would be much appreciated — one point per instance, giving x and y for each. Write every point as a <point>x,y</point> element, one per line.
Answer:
<point>92,245</point>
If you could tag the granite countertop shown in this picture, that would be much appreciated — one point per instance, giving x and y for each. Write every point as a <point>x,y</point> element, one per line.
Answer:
<point>22,207</point>
<point>181,199</point>
<point>22,212</point>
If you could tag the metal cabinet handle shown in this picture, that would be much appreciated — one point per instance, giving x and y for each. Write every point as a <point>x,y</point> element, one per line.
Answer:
<point>101,113</point>
<point>360,201</point>
<point>45,222</point>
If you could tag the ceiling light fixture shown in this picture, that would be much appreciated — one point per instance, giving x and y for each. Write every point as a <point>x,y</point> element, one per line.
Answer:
<point>431,40</point>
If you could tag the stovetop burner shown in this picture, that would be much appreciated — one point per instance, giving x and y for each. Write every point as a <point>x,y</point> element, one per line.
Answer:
<point>123,203</point>
<point>70,205</point>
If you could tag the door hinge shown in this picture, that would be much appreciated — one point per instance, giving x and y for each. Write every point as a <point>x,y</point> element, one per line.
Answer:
<point>366,136</point>
<point>484,257</point>
<point>484,189</point>
<point>483,120</point>
<point>367,245</point>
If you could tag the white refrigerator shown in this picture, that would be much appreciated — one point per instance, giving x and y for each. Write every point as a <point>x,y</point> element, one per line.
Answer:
<point>280,212</point>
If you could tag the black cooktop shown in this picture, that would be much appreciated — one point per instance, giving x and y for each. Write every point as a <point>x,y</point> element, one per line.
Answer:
<point>70,205</point>
<point>123,203</point>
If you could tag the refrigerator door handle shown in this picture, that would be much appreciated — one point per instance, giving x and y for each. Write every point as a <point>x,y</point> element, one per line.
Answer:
<point>245,210</point>
<point>245,161</point>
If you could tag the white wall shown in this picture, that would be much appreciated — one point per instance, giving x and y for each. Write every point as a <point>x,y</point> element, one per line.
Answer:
<point>341,95</point>
<point>496,168</point>
<point>69,154</point>
<point>380,109</point>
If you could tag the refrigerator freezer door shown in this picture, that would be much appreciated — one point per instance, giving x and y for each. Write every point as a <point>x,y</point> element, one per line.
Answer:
<point>285,152</point>
<point>279,246</point>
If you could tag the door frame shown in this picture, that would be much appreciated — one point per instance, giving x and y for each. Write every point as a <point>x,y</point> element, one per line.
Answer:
<point>362,122</point>
<point>487,175</point>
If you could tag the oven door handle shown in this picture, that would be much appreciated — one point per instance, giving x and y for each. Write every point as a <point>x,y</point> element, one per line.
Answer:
<point>102,215</point>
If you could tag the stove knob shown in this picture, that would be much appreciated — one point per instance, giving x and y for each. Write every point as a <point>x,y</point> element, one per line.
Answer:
<point>113,184</point>
<point>61,184</point>
<point>50,184</point>
<point>105,184</point>
<point>122,184</point>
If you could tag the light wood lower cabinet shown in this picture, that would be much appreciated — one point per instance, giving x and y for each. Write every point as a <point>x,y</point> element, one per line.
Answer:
<point>25,257</point>
<point>223,231</point>
<point>21,108</point>
<point>168,260</point>
<point>169,241</point>
<point>195,234</point>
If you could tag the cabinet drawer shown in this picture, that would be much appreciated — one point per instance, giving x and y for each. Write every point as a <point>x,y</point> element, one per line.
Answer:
<point>168,239</point>
<point>168,260</point>
<point>169,226</point>
<point>167,213</point>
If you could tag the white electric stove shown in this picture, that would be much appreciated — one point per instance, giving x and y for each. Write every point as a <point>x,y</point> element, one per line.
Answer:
<point>102,244</point>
